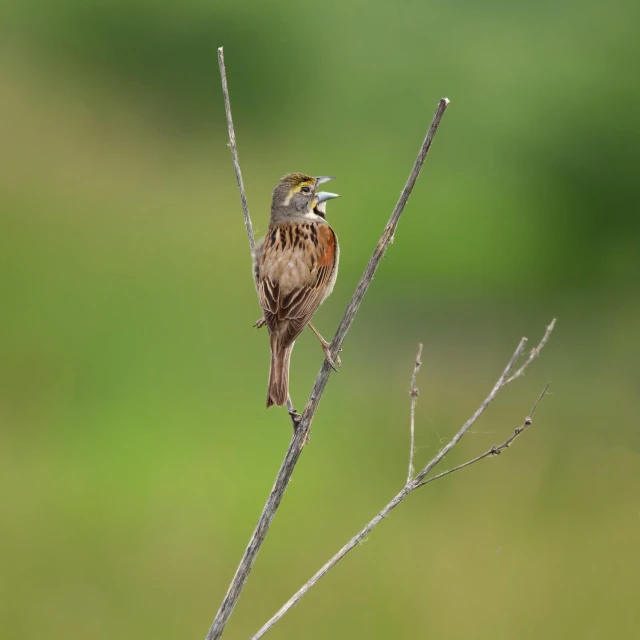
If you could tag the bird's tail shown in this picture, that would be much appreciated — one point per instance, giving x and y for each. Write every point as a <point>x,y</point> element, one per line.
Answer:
<point>278,390</point>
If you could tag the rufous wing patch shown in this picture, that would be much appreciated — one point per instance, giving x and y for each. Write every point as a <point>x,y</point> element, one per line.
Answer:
<point>326,246</point>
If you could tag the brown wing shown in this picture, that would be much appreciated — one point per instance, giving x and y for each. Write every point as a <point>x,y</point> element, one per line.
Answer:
<point>294,276</point>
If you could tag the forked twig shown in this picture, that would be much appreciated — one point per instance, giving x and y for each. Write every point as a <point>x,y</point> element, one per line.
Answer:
<point>418,481</point>
<point>495,450</point>
<point>535,352</point>
<point>303,422</point>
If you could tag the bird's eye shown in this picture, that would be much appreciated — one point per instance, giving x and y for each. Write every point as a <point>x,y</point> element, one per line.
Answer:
<point>305,190</point>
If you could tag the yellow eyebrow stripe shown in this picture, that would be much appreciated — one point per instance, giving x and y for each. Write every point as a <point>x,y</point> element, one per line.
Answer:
<point>296,189</point>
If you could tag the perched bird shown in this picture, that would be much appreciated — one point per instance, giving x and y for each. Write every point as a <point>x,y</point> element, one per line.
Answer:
<point>295,267</point>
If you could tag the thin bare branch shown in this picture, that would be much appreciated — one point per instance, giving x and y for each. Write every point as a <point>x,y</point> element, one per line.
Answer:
<point>303,422</point>
<point>479,411</point>
<point>495,450</point>
<point>534,352</point>
<point>414,399</point>
<point>367,276</point>
<point>503,381</point>
<point>234,150</point>
<point>293,601</point>
<point>406,490</point>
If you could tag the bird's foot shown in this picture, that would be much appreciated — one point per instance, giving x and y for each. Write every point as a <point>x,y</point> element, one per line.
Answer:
<point>334,364</point>
<point>260,323</point>
<point>296,418</point>
<point>326,347</point>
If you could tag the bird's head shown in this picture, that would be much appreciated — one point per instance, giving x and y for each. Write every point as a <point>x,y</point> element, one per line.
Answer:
<point>296,195</point>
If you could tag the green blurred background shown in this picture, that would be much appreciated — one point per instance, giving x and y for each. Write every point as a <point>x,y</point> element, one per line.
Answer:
<point>135,450</point>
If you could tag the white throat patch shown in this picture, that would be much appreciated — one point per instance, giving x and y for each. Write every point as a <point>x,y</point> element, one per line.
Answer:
<point>310,215</point>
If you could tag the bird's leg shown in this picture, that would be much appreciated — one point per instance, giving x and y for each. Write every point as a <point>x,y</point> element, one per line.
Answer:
<point>293,414</point>
<point>260,323</point>
<point>326,347</point>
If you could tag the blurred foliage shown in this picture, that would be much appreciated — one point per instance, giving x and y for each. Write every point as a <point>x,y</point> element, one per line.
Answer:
<point>135,452</point>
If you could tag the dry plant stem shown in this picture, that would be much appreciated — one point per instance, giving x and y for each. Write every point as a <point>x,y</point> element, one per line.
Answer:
<point>414,399</point>
<point>495,450</point>
<point>502,381</point>
<point>534,353</point>
<point>293,601</point>
<point>303,422</point>
<point>411,486</point>
<point>234,150</point>
<point>369,272</point>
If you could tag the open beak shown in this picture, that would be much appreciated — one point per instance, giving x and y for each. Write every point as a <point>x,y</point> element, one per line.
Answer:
<point>323,179</point>
<point>323,196</point>
<point>321,202</point>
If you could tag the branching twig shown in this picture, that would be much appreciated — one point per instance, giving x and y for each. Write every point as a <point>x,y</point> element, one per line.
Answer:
<point>418,481</point>
<point>303,422</point>
<point>495,450</point>
<point>535,352</point>
<point>414,399</point>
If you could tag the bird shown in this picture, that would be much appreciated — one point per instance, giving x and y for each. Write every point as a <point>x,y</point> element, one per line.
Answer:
<point>295,267</point>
